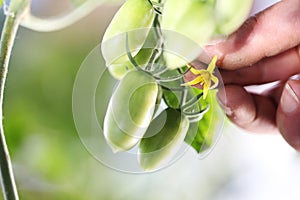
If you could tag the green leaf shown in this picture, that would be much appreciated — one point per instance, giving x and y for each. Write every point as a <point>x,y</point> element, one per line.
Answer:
<point>172,97</point>
<point>201,134</point>
<point>1,2</point>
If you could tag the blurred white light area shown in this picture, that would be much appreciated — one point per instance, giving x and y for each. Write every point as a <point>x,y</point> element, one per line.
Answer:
<point>260,5</point>
<point>242,166</point>
<point>267,168</point>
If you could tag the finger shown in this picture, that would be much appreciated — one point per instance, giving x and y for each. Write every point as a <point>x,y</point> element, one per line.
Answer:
<point>274,93</point>
<point>288,114</point>
<point>279,67</point>
<point>271,32</point>
<point>251,112</point>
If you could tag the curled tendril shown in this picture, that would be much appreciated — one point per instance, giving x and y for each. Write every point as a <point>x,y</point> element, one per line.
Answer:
<point>169,79</point>
<point>160,71</point>
<point>172,78</point>
<point>191,102</point>
<point>181,89</point>
<point>130,57</point>
<point>196,116</point>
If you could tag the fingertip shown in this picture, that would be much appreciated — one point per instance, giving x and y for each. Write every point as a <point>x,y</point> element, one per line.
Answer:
<point>229,49</point>
<point>255,39</point>
<point>288,114</point>
<point>237,104</point>
<point>251,112</point>
<point>214,50</point>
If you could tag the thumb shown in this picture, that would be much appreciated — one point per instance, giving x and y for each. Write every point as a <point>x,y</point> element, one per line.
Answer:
<point>288,113</point>
<point>269,33</point>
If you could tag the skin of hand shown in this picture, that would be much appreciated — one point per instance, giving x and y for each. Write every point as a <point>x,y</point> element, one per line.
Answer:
<point>264,49</point>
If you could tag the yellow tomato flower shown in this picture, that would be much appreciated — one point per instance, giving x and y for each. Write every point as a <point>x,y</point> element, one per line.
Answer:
<point>205,77</point>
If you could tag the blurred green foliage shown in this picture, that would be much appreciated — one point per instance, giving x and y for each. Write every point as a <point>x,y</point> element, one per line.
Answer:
<point>46,151</point>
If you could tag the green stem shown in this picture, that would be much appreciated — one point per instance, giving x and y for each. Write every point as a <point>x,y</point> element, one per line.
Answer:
<point>10,27</point>
<point>60,22</point>
<point>184,92</point>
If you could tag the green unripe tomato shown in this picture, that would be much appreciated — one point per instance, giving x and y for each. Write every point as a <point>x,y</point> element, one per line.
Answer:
<point>130,110</point>
<point>133,15</point>
<point>230,14</point>
<point>117,139</point>
<point>162,140</point>
<point>118,70</point>
<point>192,19</point>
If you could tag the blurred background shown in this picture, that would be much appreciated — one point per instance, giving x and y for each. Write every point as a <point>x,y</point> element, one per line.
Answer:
<point>50,162</point>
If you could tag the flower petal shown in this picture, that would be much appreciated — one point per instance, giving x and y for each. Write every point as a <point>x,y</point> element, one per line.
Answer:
<point>197,80</point>
<point>205,91</point>
<point>195,71</point>
<point>215,80</point>
<point>212,64</point>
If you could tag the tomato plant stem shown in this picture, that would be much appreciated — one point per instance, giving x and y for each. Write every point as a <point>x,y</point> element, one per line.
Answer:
<point>9,30</point>
<point>60,22</point>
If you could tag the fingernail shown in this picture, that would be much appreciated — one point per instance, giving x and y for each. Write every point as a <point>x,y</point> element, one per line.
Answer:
<point>295,77</point>
<point>289,99</point>
<point>214,50</point>
<point>222,100</point>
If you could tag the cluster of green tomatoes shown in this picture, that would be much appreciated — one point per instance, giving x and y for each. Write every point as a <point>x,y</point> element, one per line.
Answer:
<point>134,48</point>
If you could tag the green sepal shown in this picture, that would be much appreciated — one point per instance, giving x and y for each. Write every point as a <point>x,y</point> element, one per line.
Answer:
<point>171,96</point>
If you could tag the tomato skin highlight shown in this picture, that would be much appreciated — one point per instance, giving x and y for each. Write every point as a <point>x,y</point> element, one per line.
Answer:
<point>162,140</point>
<point>130,110</point>
<point>192,18</point>
<point>194,24</point>
<point>134,14</point>
<point>133,20</point>
<point>230,14</point>
<point>118,70</point>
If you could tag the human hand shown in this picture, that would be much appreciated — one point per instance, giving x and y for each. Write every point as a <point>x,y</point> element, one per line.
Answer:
<point>265,49</point>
